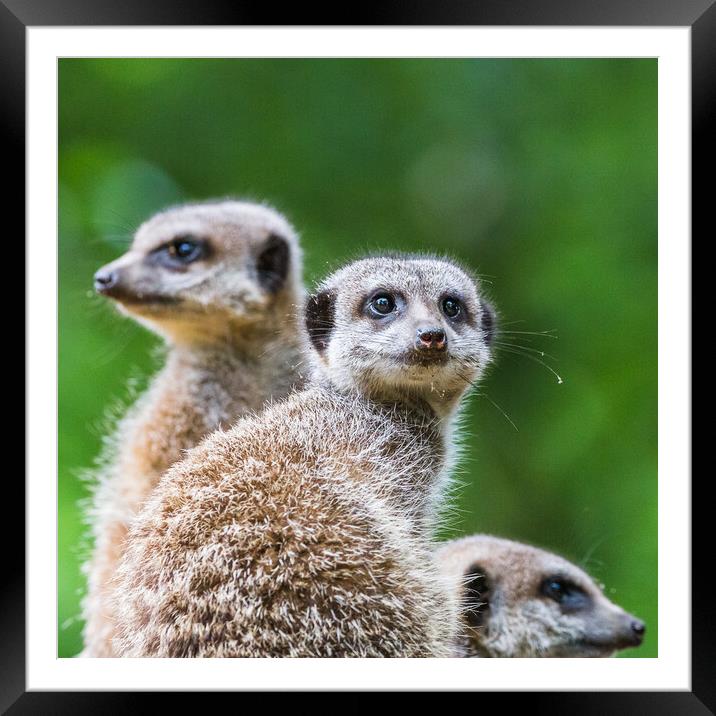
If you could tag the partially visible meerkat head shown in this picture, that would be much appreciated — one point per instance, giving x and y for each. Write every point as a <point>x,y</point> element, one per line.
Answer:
<point>200,270</point>
<point>521,601</point>
<point>404,327</point>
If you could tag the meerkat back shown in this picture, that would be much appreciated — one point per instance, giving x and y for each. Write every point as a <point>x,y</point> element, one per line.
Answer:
<point>521,601</point>
<point>307,530</point>
<point>219,282</point>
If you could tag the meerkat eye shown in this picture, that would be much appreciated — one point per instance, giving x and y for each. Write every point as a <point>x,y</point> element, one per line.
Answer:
<point>185,249</point>
<point>554,588</point>
<point>451,306</point>
<point>381,305</point>
<point>567,594</point>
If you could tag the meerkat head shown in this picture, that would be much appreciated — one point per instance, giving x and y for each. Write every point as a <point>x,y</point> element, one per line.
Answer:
<point>201,270</point>
<point>405,327</point>
<point>521,601</point>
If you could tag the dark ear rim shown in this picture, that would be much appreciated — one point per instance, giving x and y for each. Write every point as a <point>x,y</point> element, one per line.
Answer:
<point>476,595</point>
<point>273,263</point>
<point>488,321</point>
<point>319,318</point>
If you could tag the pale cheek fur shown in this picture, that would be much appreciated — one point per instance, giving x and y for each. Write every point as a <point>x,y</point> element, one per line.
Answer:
<point>533,629</point>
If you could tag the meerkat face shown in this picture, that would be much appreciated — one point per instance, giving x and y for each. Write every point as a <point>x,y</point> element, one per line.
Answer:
<point>524,602</point>
<point>199,267</point>
<point>412,326</point>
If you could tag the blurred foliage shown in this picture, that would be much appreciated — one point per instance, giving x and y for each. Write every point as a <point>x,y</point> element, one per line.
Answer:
<point>541,174</point>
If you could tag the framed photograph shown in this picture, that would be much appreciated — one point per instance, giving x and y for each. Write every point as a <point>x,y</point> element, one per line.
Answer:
<point>548,154</point>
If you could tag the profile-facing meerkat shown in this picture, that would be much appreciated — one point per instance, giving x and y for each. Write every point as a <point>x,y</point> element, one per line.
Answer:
<point>220,282</point>
<point>521,601</point>
<point>305,531</point>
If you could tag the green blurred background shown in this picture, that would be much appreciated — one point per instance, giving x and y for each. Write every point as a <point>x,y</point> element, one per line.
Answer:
<point>541,174</point>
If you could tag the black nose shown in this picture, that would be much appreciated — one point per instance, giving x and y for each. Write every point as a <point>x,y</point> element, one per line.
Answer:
<point>104,280</point>
<point>431,339</point>
<point>638,628</point>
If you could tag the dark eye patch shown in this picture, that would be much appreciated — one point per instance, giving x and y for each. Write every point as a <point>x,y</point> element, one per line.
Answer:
<point>181,251</point>
<point>566,593</point>
<point>382,305</point>
<point>451,307</point>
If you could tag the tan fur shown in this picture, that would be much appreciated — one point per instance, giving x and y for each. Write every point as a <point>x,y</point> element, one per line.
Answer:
<point>232,345</point>
<point>516,618</point>
<point>306,531</point>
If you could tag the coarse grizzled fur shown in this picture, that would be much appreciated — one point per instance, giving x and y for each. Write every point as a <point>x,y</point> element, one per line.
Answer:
<point>306,531</point>
<point>521,601</point>
<point>229,321</point>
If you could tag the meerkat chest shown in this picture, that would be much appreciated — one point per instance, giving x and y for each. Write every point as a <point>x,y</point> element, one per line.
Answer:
<point>399,458</point>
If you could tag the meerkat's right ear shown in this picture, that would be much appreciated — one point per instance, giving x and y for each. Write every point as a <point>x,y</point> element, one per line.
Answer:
<point>476,595</point>
<point>320,310</point>
<point>273,262</point>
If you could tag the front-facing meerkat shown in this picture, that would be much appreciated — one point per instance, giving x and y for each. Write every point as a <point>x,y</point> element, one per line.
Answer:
<point>521,601</point>
<point>305,531</point>
<point>220,282</point>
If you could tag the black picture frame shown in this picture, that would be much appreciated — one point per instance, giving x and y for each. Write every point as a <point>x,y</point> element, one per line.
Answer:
<point>699,15</point>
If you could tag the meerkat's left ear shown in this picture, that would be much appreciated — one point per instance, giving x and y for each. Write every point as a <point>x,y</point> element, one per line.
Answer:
<point>476,595</point>
<point>488,321</point>
<point>273,262</point>
<point>319,316</point>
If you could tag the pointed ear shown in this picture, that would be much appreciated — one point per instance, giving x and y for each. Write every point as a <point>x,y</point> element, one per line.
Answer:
<point>320,310</point>
<point>488,321</point>
<point>476,595</point>
<point>272,263</point>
